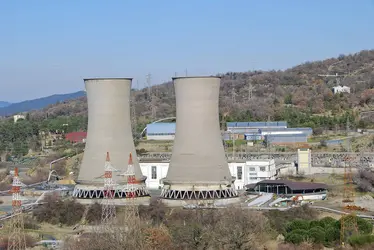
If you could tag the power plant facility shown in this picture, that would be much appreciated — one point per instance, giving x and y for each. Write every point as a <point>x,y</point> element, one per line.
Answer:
<point>198,167</point>
<point>109,131</point>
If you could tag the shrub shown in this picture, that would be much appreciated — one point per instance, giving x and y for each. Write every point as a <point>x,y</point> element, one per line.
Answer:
<point>332,234</point>
<point>55,210</point>
<point>317,234</point>
<point>94,213</point>
<point>297,236</point>
<point>297,224</point>
<point>361,240</point>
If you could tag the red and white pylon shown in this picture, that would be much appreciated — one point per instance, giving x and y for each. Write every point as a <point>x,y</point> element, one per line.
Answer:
<point>17,239</point>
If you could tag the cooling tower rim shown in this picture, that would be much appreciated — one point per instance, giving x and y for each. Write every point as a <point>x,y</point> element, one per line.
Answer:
<point>108,78</point>
<point>194,77</point>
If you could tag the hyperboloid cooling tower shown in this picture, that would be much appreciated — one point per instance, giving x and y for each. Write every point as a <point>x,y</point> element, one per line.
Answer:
<point>198,167</point>
<point>109,130</point>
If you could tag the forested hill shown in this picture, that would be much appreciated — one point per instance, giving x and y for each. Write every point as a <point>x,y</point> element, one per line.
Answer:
<point>36,104</point>
<point>297,94</point>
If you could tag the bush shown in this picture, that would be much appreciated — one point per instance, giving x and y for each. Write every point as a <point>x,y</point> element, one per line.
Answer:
<point>361,240</point>
<point>317,234</point>
<point>327,222</point>
<point>297,236</point>
<point>94,213</point>
<point>364,226</point>
<point>297,224</point>
<point>332,234</point>
<point>55,211</point>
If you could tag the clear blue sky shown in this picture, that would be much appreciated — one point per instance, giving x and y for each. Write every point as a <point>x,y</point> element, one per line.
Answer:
<point>48,47</point>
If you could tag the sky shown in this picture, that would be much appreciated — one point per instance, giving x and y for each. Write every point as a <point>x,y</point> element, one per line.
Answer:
<point>49,47</point>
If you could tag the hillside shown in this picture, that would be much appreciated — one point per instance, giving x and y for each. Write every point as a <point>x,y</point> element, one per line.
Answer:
<point>4,104</point>
<point>297,94</point>
<point>37,103</point>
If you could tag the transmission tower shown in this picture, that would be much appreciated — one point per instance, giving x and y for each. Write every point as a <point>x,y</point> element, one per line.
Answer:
<point>148,77</point>
<point>17,239</point>
<point>338,77</point>
<point>108,213</point>
<point>233,96</point>
<point>250,90</point>
<point>130,191</point>
<point>133,114</point>
<point>348,225</point>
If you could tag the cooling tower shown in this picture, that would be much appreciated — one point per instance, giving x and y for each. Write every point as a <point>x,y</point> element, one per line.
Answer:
<point>198,167</point>
<point>109,130</point>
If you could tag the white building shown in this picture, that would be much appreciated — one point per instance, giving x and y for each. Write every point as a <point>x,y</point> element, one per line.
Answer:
<point>245,172</point>
<point>161,131</point>
<point>17,117</point>
<point>341,89</point>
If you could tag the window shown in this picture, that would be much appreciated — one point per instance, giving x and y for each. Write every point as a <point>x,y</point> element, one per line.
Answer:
<point>239,173</point>
<point>252,169</point>
<point>262,169</point>
<point>253,174</point>
<point>154,172</point>
<point>253,178</point>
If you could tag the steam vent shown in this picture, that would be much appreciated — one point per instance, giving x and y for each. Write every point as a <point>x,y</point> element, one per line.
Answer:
<point>198,169</point>
<point>109,130</point>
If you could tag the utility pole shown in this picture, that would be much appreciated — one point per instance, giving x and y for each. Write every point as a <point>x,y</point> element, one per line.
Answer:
<point>186,72</point>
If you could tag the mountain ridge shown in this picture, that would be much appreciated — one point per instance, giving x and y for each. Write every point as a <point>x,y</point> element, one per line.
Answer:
<point>4,104</point>
<point>297,94</point>
<point>39,103</point>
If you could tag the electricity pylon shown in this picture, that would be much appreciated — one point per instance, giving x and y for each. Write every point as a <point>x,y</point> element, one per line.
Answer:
<point>17,238</point>
<point>108,213</point>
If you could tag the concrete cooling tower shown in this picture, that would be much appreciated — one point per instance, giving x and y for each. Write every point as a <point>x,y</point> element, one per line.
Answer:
<point>198,167</point>
<point>109,130</point>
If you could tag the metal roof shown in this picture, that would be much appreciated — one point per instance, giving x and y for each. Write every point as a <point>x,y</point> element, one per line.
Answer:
<point>286,135</point>
<point>161,127</point>
<point>285,129</point>
<point>293,185</point>
<point>257,124</point>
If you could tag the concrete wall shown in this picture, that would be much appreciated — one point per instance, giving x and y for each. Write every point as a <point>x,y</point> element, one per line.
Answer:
<point>161,137</point>
<point>251,172</point>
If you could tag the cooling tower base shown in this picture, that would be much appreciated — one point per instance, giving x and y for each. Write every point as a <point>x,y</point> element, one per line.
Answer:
<point>145,201</point>
<point>179,195</point>
<point>97,192</point>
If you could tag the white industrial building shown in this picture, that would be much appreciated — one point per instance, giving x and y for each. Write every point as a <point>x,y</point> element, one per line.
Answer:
<point>341,89</point>
<point>245,172</point>
<point>163,131</point>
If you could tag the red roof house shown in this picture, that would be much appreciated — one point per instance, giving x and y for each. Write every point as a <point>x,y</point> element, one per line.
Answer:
<point>76,136</point>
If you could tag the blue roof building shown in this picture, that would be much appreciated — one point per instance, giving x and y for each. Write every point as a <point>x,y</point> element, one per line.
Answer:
<point>286,138</point>
<point>161,131</point>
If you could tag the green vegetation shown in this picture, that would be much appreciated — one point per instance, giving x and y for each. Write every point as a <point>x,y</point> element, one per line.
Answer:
<point>326,231</point>
<point>17,138</point>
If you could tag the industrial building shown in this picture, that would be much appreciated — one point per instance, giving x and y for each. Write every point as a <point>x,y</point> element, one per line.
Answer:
<point>286,138</point>
<point>287,187</point>
<point>161,131</point>
<point>247,127</point>
<point>286,131</point>
<point>255,131</point>
<point>244,172</point>
<point>198,169</point>
<point>109,131</point>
